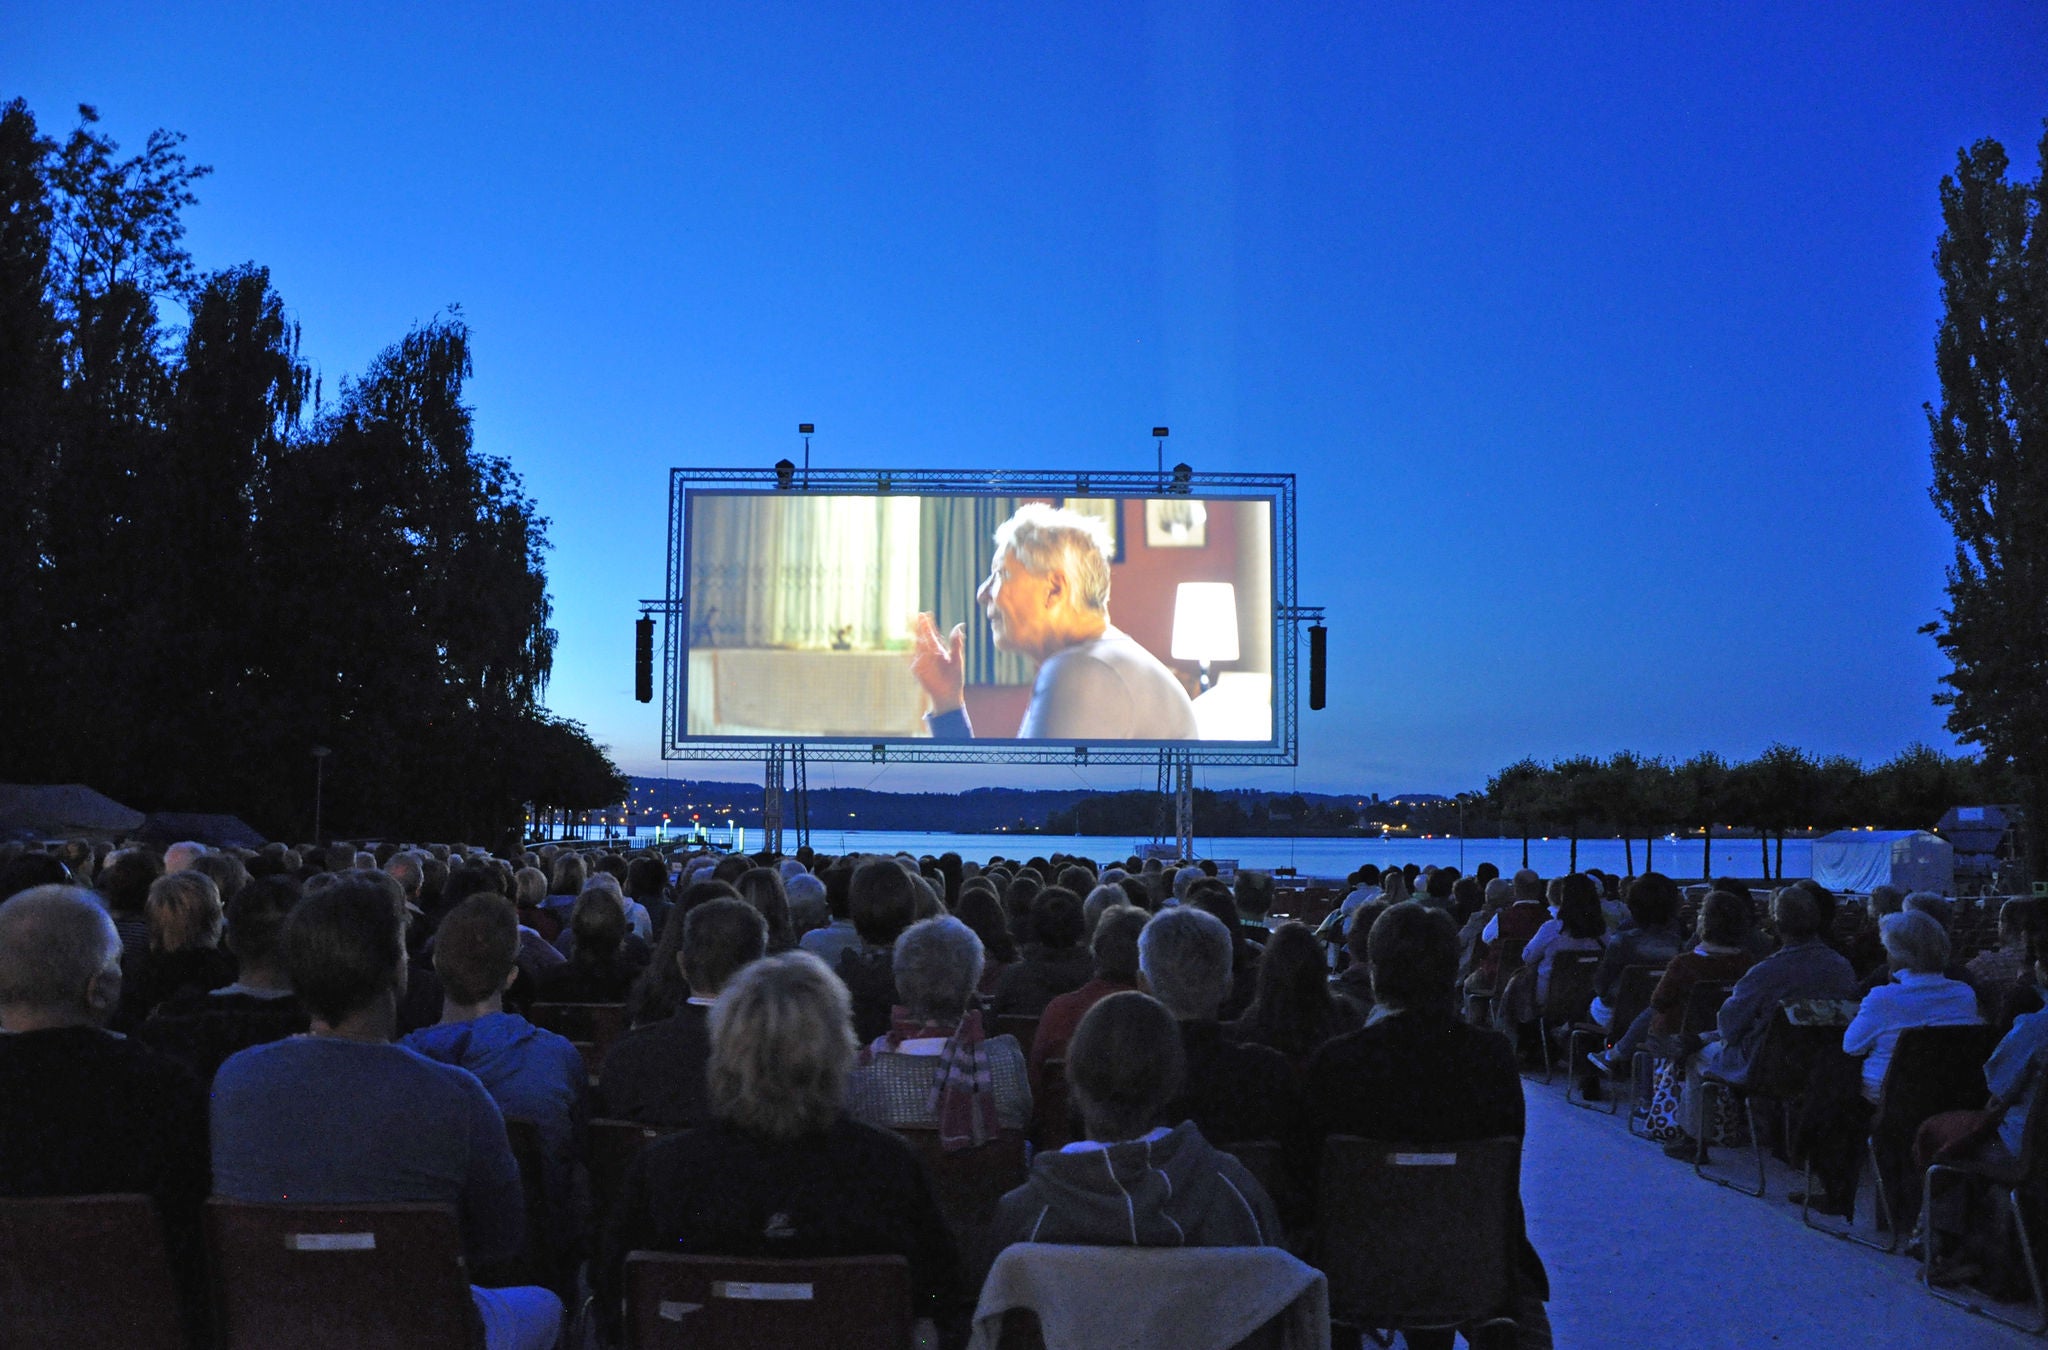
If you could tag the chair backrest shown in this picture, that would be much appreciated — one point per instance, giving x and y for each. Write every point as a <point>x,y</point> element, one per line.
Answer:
<point>1784,1059</point>
<point>86,1272</point>
<point>598,1023</point>
<point>1417,1235</point>
<point>1933,1069</point>
<point>969,1181</point>
<point>339,1277</point>
<point>1569,994</point>
<point>720,1303</point>
<point>1052,1112</point>
<point>1632,994</point>
<point>1024,1028</point>
<point>1702,1005</point>
<point>613,1146</point>
<point>1152,1296</point>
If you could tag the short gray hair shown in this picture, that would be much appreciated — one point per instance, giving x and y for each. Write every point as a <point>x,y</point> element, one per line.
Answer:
<point>1913,938</point>
<point>1042,538</point>
<point>405,869</point>
<point>938,966</point>
<point>183,854</point>
<point>1185,956</point>
<point>1184,881</point>
<point>1934,905</point>
<point>1100,901</point>
<point>1885,899</point>
<point>53,941</point>
<point>808,905</point>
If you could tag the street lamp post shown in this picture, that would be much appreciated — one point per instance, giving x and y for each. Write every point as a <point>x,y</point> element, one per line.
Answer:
<point>320,754</point>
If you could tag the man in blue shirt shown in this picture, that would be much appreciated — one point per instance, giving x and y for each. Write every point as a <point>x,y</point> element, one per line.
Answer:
<point>342,1116</point>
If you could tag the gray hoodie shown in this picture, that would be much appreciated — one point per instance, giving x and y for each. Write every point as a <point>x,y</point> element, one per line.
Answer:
<point>1175,1191</point>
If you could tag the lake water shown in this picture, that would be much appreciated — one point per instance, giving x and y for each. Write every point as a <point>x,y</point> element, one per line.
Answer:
<point>1337,857</point>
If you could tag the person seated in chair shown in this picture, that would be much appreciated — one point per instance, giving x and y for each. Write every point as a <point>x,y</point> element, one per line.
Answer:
<point>935,1068</point>
<point>883,902</point>
<point>1649,938</point>
<point>200,1030</point>
<point>1134,1181</point>
<point>82,1110</point>
<point>781,1171</point>
<point>342,1116</point>
<point>1803,967</point>
<point>655,1074</point>
<point>1417,1073</point>
<point>1056,962</point>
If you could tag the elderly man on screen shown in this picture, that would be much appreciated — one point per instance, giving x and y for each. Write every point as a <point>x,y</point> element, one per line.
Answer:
<point>1047,597</point>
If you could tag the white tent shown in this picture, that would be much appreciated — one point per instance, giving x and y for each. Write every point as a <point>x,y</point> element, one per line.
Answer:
<point>1857,860</point>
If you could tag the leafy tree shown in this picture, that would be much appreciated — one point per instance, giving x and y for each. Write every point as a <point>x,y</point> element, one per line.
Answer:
<point>1573,797</point>
<point>1990,461</point>
<point>1915,788</point>
<point>1637,795</point>
<point>1515,795</point>
<point>1705,798</point>
<point>1777,792</point>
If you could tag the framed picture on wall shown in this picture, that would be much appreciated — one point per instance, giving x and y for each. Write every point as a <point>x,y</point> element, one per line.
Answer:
<point>1108,510</point>
<point>1176,522</point>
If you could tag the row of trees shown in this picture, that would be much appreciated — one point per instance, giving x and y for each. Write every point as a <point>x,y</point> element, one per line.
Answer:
<point>206,570</point>
<point>1782,791</point>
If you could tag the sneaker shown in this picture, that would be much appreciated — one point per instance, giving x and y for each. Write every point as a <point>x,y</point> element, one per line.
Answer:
<point>1600,1062</point>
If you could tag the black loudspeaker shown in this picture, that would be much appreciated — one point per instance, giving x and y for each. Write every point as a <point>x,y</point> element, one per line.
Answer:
<point>1318,658</point>
<point>643,660</point>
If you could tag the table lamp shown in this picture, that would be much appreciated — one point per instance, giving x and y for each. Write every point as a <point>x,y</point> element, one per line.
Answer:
<point>1205,624</point>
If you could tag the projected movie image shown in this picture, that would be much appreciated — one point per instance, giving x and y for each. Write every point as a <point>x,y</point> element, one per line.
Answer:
<point>973,618</point>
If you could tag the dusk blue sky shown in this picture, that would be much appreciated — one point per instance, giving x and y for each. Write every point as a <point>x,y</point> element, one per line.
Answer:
<point>1597,335</point>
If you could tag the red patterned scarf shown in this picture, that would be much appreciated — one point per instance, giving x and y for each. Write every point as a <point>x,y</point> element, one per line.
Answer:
<point>963,1097</point>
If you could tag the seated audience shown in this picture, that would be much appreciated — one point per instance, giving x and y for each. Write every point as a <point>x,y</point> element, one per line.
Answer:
<point>808,911</point>
<point>1419,1074</point>
<point>597,971</point>
<point>935,1068</point>
<point>1234,1093</point>
<point>883,903</point>
<point>1115,949</point>
<point>1353,983</point>
<point>781,1171</point>
<point>82,1110</point>
<point>200,1030</point>
<point>660,989</point>
<point>184,956</point>
<point>1802,967</point>
<point>1212,896</point>
<point>1834,1115</point>
<point>1578,927</point>
<point>1650,937</point>
<point>2001,974</point>
<point>1135,1181</point>
<point>762,888</point>
<point>1720,956</point>
<point>980,910</point>
<point>1866,949</point>
<point>1509,931</point>
<point>1056,963</point>
<point>530,891</point>
<point>532,1074</point>
<point>342,1116</point>
<point>839,935</point>
<point>655,1074</point>
<point>1294,1011</point>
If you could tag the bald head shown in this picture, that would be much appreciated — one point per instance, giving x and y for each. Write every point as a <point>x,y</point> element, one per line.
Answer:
<point>60,959</point>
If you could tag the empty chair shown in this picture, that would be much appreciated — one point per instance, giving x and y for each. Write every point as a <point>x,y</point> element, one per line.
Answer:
<point>723,1303</point>
<point>1418,1236</point>
<point>86,1272</point>
<point>339,1277</point>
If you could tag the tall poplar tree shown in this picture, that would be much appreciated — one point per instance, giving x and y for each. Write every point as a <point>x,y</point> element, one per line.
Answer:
<point>1990,453</point>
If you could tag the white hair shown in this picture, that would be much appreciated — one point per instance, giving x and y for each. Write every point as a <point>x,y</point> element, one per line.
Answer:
<point>1042,538</point>
<point>183,854</point>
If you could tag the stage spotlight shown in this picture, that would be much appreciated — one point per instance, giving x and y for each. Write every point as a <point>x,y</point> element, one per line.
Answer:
<point>805,428</point>
<point>1182,479</point>
<point>785,475</point>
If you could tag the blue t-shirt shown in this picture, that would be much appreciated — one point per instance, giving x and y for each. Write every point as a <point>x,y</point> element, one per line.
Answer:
<point>323,1120</point>
<point>2012,1065</point>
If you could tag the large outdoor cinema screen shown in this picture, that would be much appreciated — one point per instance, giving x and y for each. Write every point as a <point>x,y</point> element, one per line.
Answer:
<point>971,619</point>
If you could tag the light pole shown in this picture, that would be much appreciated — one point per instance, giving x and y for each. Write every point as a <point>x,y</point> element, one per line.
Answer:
<point>320,754</point>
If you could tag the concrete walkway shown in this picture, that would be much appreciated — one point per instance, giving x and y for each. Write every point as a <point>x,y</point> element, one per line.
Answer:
<point>1643,1253</point>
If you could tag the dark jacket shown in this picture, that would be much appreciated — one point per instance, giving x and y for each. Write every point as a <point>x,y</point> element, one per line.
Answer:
<point>869,974</point>
<point>1634,947</point>
<point>586,981</point>
<point>655,1074</point>
<point>157,977</point>
<point>1176,1191</point>
<point>1809,969</point>
<point>720,1191</point>
<point>1236,1094</point>
<point>201,1030</point>
<point>1422,1078</point>
<point>1042,976</point>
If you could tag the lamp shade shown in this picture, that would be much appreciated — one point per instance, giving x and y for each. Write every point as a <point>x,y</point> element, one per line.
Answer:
<point>1205,621</point>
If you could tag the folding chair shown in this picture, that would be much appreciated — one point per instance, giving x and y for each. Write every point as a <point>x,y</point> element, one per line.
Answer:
<point>1418,1236</point>
<point>1479,1002</point>
<point>968,1183</point>
<point>676,1302</point>
<point>1150,1295</point>
<point>613,1145</point>
<point>600,1024</point>
<point>1025,1029</point>
<point>1778,1072</point>
<point>86,1272</point>
<point>1933,1069</point>
<point>1052,1124</point>
<point>2022,1179</point>
<point>1567,1000</point>
<point>339,1277</point>
<point>1702,1005</point>
<point>1631,997</point>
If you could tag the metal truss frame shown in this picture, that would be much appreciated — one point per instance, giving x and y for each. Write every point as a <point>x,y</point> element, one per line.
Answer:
<point>786,477</point>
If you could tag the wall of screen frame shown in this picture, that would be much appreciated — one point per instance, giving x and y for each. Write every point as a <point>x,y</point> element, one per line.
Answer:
<point>1288,614</point>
